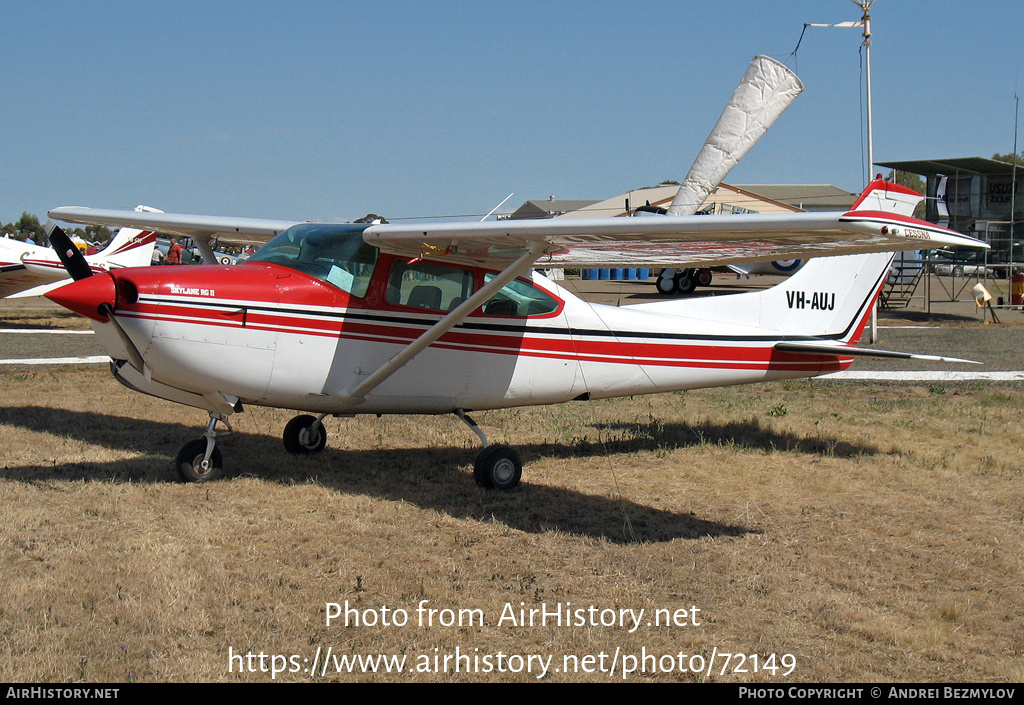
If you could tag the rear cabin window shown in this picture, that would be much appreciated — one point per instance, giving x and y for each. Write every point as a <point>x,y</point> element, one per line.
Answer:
<point>439,287</point>
<point>436,287</point>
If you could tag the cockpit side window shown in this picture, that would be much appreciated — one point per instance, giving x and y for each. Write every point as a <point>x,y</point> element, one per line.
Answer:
<point>333,253</point>
<point>519,299</point>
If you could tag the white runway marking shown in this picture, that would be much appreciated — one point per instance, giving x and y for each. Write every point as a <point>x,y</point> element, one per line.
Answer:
<point>91,360</point>
<point>56,331</point>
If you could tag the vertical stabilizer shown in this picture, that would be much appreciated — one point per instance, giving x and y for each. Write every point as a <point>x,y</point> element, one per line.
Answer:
<point>883,196</point>
<point>831,297</point>
<point>130,247</point>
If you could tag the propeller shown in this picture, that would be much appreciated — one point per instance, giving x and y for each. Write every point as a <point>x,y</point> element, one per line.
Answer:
<point>70,256</point>
<point>77,266</point>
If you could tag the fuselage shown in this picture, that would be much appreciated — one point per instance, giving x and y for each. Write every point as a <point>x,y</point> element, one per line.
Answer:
<point>16,269</point>
<point>316,312</point>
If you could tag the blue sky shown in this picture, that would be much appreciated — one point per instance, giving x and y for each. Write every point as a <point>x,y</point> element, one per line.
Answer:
<point>330,110</point>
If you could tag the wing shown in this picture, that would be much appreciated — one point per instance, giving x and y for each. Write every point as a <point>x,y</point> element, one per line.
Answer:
<point>877,225</point>
<point>197,227</point>
<point>201,228</point>
<point>666,240</point>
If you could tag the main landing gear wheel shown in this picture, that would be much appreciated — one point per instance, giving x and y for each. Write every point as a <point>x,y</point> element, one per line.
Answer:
<point>193,466</point>
<point>681,281</point>
<point>686,282</point>
<point>498,468</point>
<point>666,285</point>
<point>304,435</point>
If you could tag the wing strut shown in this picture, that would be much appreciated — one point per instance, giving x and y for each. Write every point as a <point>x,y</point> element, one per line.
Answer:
<point>455,317</point>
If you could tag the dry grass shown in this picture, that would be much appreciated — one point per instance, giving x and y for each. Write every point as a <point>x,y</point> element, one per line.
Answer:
<point>29,313</point>
<point>872,531</point>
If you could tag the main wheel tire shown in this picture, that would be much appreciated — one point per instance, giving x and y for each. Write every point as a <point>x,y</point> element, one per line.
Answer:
<point>666,285</point>
<point>704,277</point>
<point>686,283</point>
<point>498,468</point>
<point>190,462</point>
<point>304,435</point>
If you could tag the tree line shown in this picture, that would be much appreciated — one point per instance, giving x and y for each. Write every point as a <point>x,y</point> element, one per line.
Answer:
<point>28,228</point>
<point>1010,158</point>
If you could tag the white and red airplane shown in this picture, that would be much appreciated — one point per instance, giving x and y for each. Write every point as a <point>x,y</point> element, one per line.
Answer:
<point>26,269</point>
<point>439,318</point>
<point>349,319</point>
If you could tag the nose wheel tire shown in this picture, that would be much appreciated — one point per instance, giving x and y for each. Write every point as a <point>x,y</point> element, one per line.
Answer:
<point>304,435</point>
<point>498,468</point>
<point>190,462</point>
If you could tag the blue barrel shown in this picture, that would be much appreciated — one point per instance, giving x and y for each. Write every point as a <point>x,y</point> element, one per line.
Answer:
<point>587,274</point>
<point>604,273</point>
<point>631,274</point>
<point>618,273</point>
<point>644,273</point>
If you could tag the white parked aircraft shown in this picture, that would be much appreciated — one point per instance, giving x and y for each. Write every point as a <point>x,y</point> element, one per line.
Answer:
<point>26,269</point>
<point>441,318</point>
<point>438,318</point>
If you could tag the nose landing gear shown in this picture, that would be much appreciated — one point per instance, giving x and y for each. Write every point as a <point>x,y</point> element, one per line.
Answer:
<point>200,460</point>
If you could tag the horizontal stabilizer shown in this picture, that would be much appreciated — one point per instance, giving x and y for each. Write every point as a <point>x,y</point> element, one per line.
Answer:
<point>815,349</point>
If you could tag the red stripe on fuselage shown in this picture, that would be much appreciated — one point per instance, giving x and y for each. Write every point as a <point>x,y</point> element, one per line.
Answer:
<point>244,297</point>
<point>536,343</point>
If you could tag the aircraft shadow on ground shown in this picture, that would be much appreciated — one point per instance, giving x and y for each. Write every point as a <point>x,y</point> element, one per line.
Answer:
<point>743,435</point>
<point>435,478</point>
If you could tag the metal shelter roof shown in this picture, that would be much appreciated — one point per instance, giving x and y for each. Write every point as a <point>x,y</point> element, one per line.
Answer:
<point>948,167</point>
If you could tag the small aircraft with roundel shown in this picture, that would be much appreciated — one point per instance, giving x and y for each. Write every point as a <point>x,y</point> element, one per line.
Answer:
<point>451,317</point>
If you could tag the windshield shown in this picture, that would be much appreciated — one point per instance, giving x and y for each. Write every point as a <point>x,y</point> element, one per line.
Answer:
<point>334,253</point>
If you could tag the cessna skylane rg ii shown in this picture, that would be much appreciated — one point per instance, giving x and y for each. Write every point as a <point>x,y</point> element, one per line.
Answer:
<point>345,319</point>
<point>26,269</point>
<point>348,319</point>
